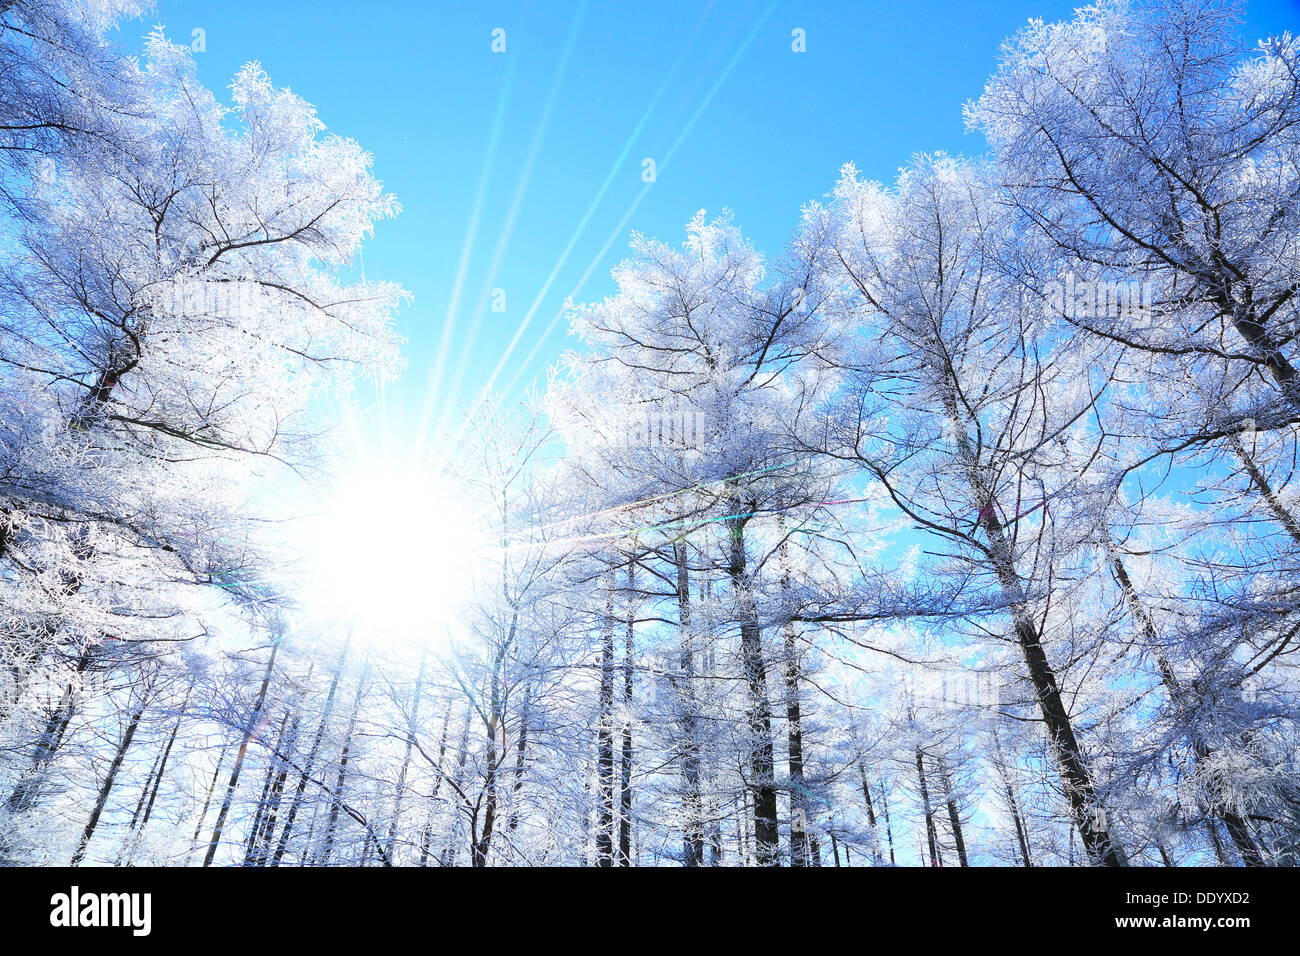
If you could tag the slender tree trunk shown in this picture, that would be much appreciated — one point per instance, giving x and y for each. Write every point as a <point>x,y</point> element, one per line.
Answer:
<point>605,741</point>
<point>1188,707</point>
<point>1265,489</point>
<point>745,829</point>
<point>692,802</point>
<point>310,762</point>
<point>871,814</point>
<point>761,761</point>
<point>711,801</point>
<point>930,835</point>
<point>521,749</point>
<point>251,843</point>
<point>1212,828</point>
<point>406,757</point>
<point>307,856</point>
<point>889,830</point>
<point>137,833</point>
<point>1086,811</point>
<point>625,760</point>
<point>264,827</point>
<point>1022,835</point>
<point>48,743</point>
<point>954,818</point>
<point>800,848</point>
<point>426,838</point>
<point>341,779</point>
<point>109,778</point>
<point>207,802</point>
<point>253,723</point>
<point>128,842</point>
<point>449,852</point>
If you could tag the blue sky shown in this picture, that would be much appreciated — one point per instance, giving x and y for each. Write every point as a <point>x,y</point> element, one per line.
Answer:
<point>502,160</point>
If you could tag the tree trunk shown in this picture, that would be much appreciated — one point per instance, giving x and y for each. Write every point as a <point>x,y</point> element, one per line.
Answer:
<point>448,855</point>
<point>1236,826</point>
<point>889,830</point>
<point>930,835</point>
<point>1022,835</point>
<point>207,802</point>
<point>426,837</point>
<point>138,831</point>
<point>954,818</point>
<point>107,786</point>
<point>128,842</point>
<point>51,738</point>
<point>264,826</point>
<point>625,761</point>
<point>253,722</point>
<point>340,780</point>
<point>692,802</point>
<point>800,847</point>
<point>263,802</point>
<point>310,762</point>
<point>761,761</point>
<point>406,757</point>
<point>871,814</point>
<point>521,748</point>
<point>1087,813</point>
<point>605,741</point>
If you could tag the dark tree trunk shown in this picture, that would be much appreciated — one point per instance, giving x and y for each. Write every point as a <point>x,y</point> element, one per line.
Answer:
<point>207,802</point>
<point>254,720</point>
<point>889,830</point>
<point>406,758</point>
<point>1080,792</point>
<point>341,778</point>
<point>605,742</point>
<point>109,778</point>
<point>47,745</point>
<point>426,838</point>
<point>954,818</point>
<point>309,762</point>
<point>253,841</point>
<point>800,846</point>
<point>625,760</point>
<point>521,749</point>
<point>692,801</point>
<point>264,828</point>
<point>761,761</point>
<point>128,843</point>
<point>137,832</point>
<point>1022,835</point>
<point>930,835</point>
<point>871,815</point>
<point>1188,708</point>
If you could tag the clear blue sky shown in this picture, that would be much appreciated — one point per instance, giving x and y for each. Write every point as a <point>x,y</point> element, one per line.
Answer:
<point>711,90</point>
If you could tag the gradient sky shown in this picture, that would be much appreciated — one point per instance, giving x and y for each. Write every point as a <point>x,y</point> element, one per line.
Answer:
<point>502,162</point>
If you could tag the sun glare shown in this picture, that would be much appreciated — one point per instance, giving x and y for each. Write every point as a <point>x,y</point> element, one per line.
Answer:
<point>392,555</point>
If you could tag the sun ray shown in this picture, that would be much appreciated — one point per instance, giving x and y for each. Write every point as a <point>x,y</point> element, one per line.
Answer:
<point>516,202</point>
<point>618,230</point>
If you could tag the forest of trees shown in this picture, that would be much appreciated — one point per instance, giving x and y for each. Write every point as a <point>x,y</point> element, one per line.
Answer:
<point>963,530</point>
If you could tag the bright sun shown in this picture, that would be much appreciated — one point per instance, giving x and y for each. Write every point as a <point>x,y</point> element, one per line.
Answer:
<point>392,554</point>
